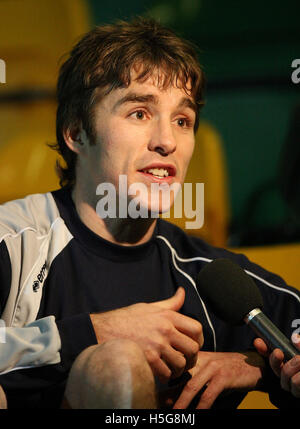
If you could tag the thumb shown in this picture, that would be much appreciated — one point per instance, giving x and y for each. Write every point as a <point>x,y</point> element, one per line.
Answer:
<point>296,340</point>
<point>175,302</point>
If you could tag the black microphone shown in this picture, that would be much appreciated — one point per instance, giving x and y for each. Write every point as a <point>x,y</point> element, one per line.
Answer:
<point>235,298</point>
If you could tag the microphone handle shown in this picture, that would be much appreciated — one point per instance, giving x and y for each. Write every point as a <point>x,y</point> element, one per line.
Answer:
<point>273,337</point>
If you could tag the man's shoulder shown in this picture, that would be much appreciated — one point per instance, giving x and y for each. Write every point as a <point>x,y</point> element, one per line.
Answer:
<point>36,212</point>
<point>190,249</point>
<point>189,245</point>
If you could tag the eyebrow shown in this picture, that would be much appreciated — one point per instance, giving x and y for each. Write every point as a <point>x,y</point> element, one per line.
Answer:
<point>133,97</point>
<point>187,102</point>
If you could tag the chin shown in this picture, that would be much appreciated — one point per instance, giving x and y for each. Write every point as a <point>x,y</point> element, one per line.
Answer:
<point>145,208</point>
<point>151,201</point>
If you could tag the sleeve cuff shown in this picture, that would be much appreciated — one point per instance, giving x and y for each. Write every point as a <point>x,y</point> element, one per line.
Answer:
<point>76,333</point>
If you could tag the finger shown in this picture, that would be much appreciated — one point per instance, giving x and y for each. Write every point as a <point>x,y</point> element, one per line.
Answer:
<point>175,361</point>
<point>167,397</point>
<point>289,370</point>
<point>261,347</point>
<point>193,386</point>
<point>209,395</point>
<point>296,340</point>
<point>188,326</point>
<point>276,361</point>
<point>190,390</point>
<point>295,385</point>
<point>174,303</point>
<point>159,368</point>
<point>188,347</point>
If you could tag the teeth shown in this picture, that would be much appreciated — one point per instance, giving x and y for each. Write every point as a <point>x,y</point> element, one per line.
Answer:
<point>159,172</point>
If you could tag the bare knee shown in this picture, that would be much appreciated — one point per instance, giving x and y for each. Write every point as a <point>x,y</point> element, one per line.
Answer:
<point>3,402</point>
<point>114,374</point>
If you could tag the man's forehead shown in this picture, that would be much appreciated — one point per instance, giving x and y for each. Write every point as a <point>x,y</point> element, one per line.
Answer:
<point>159,77</point>
<point>149,98</point>
<point>149,90</point>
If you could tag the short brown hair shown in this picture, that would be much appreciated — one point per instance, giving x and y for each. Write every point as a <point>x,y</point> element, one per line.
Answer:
<point>102,61</point>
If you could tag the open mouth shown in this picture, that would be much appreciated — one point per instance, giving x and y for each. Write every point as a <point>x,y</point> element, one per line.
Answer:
<point>159,172</point>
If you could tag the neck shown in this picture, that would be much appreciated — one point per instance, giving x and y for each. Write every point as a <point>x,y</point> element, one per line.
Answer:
<point>123,231</point>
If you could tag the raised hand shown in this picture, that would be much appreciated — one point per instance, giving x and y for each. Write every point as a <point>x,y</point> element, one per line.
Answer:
<point>288,372</point>
<point>170,340</point>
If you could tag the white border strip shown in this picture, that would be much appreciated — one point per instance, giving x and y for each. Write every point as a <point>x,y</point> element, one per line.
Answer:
<point>29,228</point>
<point>273,286</point>
<point>174,255</point>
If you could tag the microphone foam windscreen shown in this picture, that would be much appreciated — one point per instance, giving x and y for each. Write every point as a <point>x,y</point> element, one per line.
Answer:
<point>230,292</point>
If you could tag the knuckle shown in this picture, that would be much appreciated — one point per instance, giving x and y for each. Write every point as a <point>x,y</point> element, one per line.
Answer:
<point>167,373</point>
<point>194,348</point>
<point>198,333</point>
<point>166,329</point>
<point>177,364</point>
<point>181,362</point>
<point>191,358</point>
<point>165,313</point>
<point>213,365</point>
<point>191,387</point>
<point>296,379</point>
<point>157,345</point>
<point>152,356</point>
<point>295,382</point>
<point>198,328</point>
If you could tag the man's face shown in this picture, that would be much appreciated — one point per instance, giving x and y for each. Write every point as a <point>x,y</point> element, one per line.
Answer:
<point>144,132</point>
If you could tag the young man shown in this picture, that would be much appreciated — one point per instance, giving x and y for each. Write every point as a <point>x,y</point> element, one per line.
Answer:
<point>104,312</point>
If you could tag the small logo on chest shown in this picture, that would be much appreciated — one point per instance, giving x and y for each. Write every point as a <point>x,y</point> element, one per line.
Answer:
<point>39,278</point>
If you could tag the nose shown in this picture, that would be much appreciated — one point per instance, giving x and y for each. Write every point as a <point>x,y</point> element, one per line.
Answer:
<point>162,138</point>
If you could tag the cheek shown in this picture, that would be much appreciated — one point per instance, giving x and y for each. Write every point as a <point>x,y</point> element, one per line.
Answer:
<point>124,146</point>
<point>113,156</point>
<point>118,140</point>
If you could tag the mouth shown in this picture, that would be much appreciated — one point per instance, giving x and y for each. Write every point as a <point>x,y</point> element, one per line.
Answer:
<point>165,172</point>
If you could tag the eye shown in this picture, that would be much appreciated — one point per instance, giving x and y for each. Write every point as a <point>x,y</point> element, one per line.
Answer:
<point>184,123</point>
<point>138,114</point>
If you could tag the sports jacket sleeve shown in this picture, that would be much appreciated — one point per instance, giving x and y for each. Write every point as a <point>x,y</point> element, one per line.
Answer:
<point>35,344</point>
<point>31,236</point>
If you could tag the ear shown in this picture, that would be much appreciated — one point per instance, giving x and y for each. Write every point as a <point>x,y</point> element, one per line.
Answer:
<point>75,138</point>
